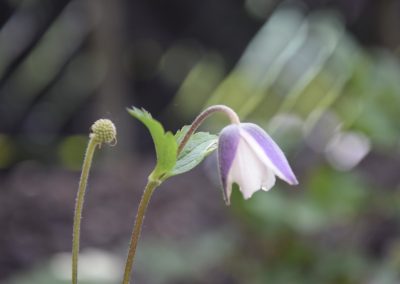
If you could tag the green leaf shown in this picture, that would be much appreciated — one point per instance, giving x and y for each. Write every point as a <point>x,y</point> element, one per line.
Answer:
<point>181,133</point>
<point>165,143</point>
<point>199,146</point>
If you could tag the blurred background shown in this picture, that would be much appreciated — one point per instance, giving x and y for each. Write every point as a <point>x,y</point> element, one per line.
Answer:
<point>321,76</point>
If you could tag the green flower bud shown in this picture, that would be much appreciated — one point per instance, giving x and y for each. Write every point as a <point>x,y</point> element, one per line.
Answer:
<point>103,131</point>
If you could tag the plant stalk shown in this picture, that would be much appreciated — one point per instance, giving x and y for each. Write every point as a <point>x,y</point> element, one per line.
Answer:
<point>87,162</point>
<point>202,116</point>
<point>144,202</point>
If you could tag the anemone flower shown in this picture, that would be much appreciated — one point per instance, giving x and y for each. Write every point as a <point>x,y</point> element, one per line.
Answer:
<point>249,157</point>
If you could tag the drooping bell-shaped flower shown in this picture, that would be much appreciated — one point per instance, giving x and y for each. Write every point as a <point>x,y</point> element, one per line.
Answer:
<point>249,157</point>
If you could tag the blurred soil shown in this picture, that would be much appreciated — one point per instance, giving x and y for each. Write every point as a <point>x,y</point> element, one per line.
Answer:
<point>36,210</point>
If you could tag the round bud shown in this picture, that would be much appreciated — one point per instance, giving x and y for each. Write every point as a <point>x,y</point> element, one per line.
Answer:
<point>103,131</point>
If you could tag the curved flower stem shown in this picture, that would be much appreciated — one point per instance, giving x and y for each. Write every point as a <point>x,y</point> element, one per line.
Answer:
<point>153,183</point>
<point>87,162</point>
<point>202,116</point>
<point>144,202</point>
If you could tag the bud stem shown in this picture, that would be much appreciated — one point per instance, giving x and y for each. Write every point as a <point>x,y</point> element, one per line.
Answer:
<point>87,162</point>
<point>103,131</point>
<point>202,116</point>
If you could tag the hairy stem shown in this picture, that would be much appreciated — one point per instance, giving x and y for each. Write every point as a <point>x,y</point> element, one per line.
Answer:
<point>87,162</point>
<point>202,116</point>
<point>144,202</point>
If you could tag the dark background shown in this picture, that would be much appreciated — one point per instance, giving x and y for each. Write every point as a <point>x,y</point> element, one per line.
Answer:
<point>64,64</point>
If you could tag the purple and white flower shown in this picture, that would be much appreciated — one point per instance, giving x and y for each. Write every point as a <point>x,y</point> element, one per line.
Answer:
<point>249,157</point>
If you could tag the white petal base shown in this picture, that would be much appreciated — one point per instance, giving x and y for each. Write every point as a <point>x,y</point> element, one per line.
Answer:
<point>249,172</point>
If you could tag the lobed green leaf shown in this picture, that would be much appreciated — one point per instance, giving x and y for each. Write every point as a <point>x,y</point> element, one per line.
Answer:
<point>164,142</point>
<point>199,146</point>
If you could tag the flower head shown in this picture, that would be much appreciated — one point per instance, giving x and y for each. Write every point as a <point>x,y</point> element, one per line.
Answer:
<point>103,131</point>
<point>249,157</point>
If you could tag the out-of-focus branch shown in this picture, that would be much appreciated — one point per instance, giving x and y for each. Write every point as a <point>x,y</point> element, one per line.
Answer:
<point>108,43</point>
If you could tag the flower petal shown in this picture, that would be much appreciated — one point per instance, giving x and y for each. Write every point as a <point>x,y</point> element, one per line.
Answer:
<point>268,151</point>
<point>249,172</point>
<point>227,148</point>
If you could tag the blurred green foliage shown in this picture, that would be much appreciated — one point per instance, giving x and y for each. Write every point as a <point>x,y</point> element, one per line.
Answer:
<point>71,150</point>
<point>7,151</point>
<point>307,81</point>
<point>310,84</point>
